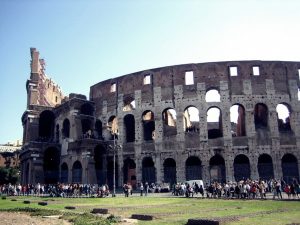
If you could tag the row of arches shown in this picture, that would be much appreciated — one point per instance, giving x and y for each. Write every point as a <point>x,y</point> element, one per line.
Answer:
<point>193,168</point>
<point>191,122</point>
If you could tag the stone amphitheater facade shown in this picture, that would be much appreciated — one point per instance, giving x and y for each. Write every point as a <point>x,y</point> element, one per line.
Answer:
<point>156,124</point>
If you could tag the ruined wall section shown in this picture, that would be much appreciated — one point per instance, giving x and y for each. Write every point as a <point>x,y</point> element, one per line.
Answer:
<point>41,90</point>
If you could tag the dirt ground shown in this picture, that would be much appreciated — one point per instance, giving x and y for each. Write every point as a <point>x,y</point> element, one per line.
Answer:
<point>9,218</point>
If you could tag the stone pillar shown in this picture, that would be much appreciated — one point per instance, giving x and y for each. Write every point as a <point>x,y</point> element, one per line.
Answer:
<point>201,91</point>
<point>157,164</point>
<point>180,168</point>
<point>205,171</point>
<point>253,166</point>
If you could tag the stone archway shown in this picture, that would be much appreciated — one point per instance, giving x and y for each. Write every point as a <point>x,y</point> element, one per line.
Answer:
<point>51,165</point>
<point>148,170</point>
<point>100,164</point>
<point>193,168</point>
<point>170,171</point>
<point>64,173</point>
<point>217,169</point>
<point>290,170</point>
<point>241,166</point>
<point>265,167</point>
<point>77,172</point>
<point>129,172</point>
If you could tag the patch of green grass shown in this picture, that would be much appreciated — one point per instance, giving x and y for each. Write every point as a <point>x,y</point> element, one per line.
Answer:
<point>172,210</point>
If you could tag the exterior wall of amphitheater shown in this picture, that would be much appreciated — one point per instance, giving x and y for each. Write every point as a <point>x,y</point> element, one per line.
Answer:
<point>157,149</point>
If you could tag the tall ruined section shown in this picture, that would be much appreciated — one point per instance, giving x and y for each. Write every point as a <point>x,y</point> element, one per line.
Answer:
<point>40,89</point>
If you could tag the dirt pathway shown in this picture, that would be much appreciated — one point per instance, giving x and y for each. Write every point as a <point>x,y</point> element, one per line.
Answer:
<point>16,218</point>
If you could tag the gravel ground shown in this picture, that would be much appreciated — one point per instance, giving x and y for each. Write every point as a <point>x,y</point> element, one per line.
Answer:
<point>9,218</point>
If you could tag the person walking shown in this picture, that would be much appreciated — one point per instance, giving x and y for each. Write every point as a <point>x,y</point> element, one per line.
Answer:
<point>142,188</point>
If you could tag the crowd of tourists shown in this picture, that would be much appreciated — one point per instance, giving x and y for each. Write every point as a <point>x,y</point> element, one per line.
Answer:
<point>57,190</point>
<point>244,189</point>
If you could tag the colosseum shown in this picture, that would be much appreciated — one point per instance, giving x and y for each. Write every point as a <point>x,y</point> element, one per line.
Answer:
<point>223,121</point>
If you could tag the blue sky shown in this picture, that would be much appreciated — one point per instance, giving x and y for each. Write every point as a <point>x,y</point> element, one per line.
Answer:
<point>86,41</point>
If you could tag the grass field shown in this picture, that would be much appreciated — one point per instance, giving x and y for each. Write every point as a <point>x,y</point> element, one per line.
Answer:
<point>174,210</point>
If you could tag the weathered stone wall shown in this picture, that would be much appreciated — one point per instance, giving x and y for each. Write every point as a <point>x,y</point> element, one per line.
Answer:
<point>276,83</point>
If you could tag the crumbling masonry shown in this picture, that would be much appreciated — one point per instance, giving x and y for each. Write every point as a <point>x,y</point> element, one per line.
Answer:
<point>161,120</point>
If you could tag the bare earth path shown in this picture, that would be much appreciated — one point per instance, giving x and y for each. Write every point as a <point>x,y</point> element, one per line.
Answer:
<point>9,218</point>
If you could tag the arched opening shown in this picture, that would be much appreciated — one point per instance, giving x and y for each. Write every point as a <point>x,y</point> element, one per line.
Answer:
<point>98,129</point>
<point>51,165</point>
<point>129,173</point>
<point>169,122</point>
<point>86,126</point>
<point>129,104</point>
<point>46,125</point>
<point>64,173</point>
<point>87,109</point>
<point>290,169</point>
<point>214,123</point>
<point>148,170</point>
<point>193,168</point>
<point>113,126</point>
<point>241,166</point>
<point>261,116</point>
<point>148,125</point>
<point>283,118</point>
<point>170,171</point>
<point>66,128</point>
<point>237,119</point>
<point>110,172</point>
<point>212,95</point>
<point>191,120</point>
<point>217,169</point>
<point>265,167</point>
<point>129,123</point>
<point>77,172</point>
<point>100,164</point>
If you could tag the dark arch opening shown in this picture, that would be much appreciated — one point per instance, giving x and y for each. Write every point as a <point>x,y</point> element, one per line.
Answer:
<point>170,171</point>
<point>98,129</point>
<point>241,167</point>
<point>265,167</point>
<point>86,126</point>
<point>51,165</point>
<point>217,169</point>
<point>64,170</point>
<point>100,164</point>
<point>87,109</point>
<point>193,168</point>
<point>66,128</point>
<point>261,116</point>
<point>148,125</point>
<point>46,125</point>
<point>77,172</point>
<point>290,170</point>
<point>129,123</point>
<point>237,119</point>
<point>129,172</point>
<point>148,170</point>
